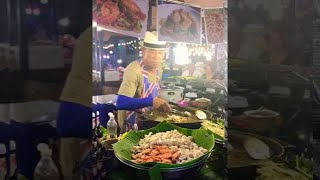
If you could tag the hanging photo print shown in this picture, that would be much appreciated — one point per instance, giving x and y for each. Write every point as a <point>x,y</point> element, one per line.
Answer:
<point>206,3</point>
<point>179,23</point>
<point>215,27</point>
<point>203,34</point>
<point>128,17</point>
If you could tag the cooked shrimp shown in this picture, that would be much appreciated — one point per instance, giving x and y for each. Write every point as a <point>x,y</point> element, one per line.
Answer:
<point>186,21</point>
<point>166,161</point>
<point>163,151</point>
<point>134,10</point>
<point>110,12</point>
<point>146,151</point>
<point>175,156</point>
<point>154,153</point>
<point>165,156</point>
<point>166,147</point>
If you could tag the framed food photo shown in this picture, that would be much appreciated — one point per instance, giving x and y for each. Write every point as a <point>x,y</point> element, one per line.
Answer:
<point>215,25</point>
<point>178,23</point>
<point>128,17</point>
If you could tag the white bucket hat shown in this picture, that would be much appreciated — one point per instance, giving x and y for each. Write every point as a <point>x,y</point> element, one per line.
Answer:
<point>151,41</point>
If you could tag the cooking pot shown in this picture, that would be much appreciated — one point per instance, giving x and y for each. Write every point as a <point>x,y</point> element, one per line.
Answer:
<point>203,103</point>
<point>263,119</point>
<point>261,114</point>
<point>171,93</point>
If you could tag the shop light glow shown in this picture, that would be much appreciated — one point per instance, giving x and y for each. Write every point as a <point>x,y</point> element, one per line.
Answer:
<point>108,57</point>
<point>111,52</point>
<point>65,22</point>
<point>28,10</point>
<point>36,11</point>
<point>208,56</point>
<point>180,54</point>
<point>44,1</point>
<point>94,24</point>
<point>119,61</point>
<point>104,56</point>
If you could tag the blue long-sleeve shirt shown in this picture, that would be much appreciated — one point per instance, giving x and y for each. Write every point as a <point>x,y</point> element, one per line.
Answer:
<point>129,103</point>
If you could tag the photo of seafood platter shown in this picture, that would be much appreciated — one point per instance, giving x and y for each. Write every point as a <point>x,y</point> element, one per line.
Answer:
<point>122,16</point>
<point>179,23</point>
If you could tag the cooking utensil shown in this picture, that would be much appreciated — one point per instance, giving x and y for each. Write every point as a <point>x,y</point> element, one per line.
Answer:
<point>179,113</point>
<point>204,102</point>
<point>238,157</point>
<point>261,113</point>
<point>176,173</point>
<point>171,93</point>
<point>199,114</point>
<point>153,117</point>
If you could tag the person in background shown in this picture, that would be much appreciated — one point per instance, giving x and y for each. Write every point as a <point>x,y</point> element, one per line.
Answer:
<point>140,86</point>
<point>74,119</point>
<point>277,49</point>
<point>235,40</point>
<point>209,70</point>
<point>199,71</point>
<point>189,71</point>
<point>41,34</point>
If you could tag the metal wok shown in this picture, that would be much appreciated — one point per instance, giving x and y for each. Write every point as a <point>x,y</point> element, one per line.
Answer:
<point>153,117</point>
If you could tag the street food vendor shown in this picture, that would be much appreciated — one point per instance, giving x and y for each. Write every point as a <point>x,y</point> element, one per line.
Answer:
<point>140,85</point>
<point>74,117</point>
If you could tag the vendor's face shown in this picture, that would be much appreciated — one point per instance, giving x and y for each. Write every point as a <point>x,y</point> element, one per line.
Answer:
<point>152,57</point>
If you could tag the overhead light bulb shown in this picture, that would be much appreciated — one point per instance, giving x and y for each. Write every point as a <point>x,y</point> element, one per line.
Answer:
<point>28,10</point>
<point>64,22</point>
<point>36,11</point>
<point>44,1</point>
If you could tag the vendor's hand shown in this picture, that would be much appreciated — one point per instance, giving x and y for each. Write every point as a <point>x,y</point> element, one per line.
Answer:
<point>161,105</point>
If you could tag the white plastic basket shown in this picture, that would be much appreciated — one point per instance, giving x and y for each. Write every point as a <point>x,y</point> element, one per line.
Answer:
<point>105,99</point>
<point>33,111</point>
<point>4,113</point>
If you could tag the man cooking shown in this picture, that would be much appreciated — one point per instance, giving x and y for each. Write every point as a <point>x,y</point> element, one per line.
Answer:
<point>140,85</point>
